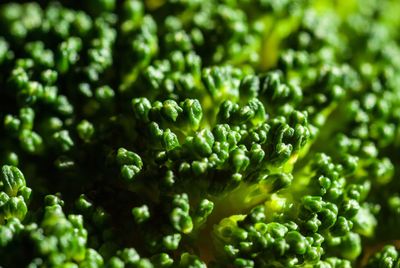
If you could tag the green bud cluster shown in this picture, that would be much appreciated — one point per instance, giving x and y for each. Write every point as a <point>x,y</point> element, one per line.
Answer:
<point>219,133</point>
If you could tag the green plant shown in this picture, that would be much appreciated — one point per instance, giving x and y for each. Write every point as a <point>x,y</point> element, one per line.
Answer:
<point>188,133</point>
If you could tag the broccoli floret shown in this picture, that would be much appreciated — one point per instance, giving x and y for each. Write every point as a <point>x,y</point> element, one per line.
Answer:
<point>219,133</point>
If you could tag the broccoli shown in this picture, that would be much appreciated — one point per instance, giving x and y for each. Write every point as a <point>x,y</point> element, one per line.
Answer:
<point>191,134</point>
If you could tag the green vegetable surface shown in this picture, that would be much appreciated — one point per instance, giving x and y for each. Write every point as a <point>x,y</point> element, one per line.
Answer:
<point>200,133</point>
